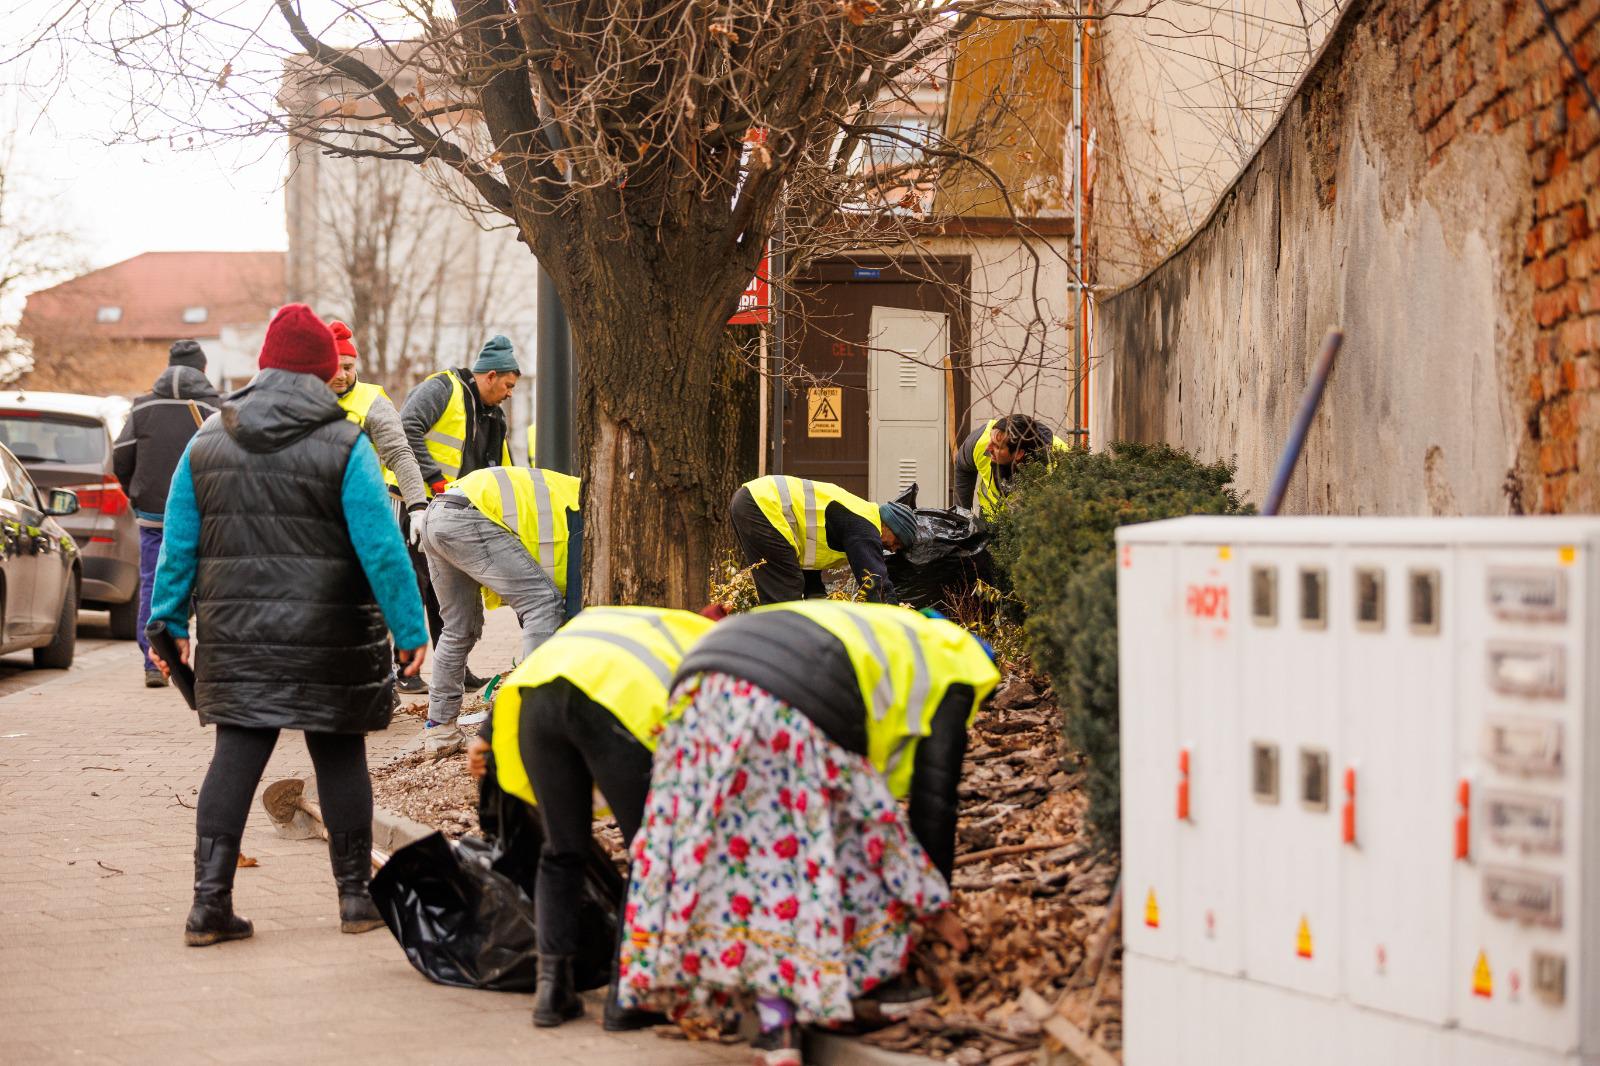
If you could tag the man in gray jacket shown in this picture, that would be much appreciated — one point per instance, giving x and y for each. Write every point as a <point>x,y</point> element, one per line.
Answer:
<point>369,406</point>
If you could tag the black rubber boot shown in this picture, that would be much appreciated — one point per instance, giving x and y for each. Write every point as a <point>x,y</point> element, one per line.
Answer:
<point>351,855</point>
<point>619,1019</point>
<point>557,1000</point>
<point>211,919</point>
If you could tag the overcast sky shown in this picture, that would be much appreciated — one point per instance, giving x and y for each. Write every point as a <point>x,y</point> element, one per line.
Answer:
<point>125,198</point>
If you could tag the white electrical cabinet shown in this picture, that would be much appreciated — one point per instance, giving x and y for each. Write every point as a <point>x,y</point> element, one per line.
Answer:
<point>1361,791</point>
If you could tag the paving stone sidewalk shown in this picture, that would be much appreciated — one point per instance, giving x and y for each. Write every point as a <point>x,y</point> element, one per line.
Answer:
<point>97,783</point>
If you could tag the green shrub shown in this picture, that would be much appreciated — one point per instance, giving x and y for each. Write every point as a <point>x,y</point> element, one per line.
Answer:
<point>1055,545</point>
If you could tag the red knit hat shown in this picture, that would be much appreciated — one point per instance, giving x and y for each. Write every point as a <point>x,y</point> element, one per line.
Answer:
<point>341,339</point>
<point>298,341</point>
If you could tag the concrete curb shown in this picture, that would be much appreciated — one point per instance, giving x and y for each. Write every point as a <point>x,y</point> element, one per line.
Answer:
<point>391,831</point>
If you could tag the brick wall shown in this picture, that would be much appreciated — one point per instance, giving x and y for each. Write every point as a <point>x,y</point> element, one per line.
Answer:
<point>1459,117</point>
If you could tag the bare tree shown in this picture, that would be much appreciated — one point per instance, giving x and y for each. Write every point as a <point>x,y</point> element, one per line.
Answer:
<point>645,153</point>
<point>35,250</point>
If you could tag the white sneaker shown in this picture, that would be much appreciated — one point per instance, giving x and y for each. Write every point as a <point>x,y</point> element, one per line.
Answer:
<point>442,739</point>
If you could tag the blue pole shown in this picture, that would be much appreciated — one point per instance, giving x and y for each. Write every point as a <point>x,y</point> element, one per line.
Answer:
<point>1309,402</point>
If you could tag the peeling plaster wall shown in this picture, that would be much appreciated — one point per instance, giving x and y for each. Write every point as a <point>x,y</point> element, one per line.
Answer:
<point>1357,213</point>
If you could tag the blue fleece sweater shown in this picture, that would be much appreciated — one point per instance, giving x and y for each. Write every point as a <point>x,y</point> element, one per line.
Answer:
<point>373,531</point>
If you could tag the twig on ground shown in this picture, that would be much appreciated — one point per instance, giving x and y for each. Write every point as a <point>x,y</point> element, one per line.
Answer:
<point>114,871</point>
<point>1009,849</point>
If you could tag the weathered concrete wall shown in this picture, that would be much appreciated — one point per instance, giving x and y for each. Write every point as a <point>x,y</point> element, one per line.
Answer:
<point>1411,194</point>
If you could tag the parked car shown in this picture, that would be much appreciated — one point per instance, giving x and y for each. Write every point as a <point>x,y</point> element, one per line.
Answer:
<point>40,568</point>
<point>64,440</point>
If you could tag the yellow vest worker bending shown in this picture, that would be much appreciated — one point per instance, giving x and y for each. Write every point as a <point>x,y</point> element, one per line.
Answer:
<point>454,425</point>
<point>990,455</point>
<point>585,709</point>
<point>496,536</point>
<point>772,831</point>
<point>795,528</point>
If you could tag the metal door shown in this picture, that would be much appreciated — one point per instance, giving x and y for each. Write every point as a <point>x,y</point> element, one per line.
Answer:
<point>1288,717</point>
<point>1148,604</point>
<point>1207,761</point>
<point>1391,790</point>
<point>1524,720</point>
<point>18,557</point>
<point>908,358</point>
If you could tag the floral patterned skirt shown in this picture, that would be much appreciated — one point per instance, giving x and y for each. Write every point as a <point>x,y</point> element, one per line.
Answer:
<point>772,862</point>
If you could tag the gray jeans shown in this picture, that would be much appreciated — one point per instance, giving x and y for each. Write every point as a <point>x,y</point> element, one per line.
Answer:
<point>466,551</point>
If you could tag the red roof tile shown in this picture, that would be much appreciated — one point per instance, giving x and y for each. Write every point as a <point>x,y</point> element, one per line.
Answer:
<point>154,289</point>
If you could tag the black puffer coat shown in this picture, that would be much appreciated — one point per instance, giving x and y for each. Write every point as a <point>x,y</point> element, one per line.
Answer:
<point>289,633</point>
<point>158,429</point>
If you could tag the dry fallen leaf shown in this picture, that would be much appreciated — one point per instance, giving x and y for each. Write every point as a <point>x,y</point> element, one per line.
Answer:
<point>247,861</point>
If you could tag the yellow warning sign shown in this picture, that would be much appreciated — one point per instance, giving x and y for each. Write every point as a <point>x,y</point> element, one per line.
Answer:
<point>824,407</point>
<point>1482,977</point>
<point>1302,939</point>
<point>1152,911</point>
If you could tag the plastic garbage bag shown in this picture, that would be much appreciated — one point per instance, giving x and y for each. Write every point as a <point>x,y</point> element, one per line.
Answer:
<point>950,557</point>
<point>464,914</point>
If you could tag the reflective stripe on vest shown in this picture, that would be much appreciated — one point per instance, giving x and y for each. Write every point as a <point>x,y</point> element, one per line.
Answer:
<point>904,664</point>
<point>357,403</point>
<point>530,504</point>
<point>446,439</point>
<point>622,658</point>
<point>797,509</point>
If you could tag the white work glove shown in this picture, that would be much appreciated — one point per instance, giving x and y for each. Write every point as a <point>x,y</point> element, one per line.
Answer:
<point>417,524</point>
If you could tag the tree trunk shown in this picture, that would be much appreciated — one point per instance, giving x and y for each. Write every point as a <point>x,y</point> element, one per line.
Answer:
<point>663,395</point>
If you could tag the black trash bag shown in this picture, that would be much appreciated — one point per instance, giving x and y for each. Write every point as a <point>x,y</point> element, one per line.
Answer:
<point>949,559</point>
<point>464,914</point>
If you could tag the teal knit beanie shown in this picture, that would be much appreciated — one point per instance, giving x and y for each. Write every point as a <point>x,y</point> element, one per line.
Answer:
<point>499,355</point>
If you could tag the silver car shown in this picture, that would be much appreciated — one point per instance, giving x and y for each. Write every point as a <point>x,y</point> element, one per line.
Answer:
<point>64,440</point>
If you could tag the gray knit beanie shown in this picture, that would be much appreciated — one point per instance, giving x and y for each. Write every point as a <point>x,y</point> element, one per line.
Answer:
<point>499,355</point>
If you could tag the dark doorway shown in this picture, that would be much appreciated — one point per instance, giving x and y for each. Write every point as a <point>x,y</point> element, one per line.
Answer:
<point>827,349</point>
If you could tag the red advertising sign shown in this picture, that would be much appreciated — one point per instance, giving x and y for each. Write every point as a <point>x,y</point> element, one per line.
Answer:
<point>755,303</point>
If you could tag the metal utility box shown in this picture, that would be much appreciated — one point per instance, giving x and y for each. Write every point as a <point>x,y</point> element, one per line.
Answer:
<point>1361,791</point>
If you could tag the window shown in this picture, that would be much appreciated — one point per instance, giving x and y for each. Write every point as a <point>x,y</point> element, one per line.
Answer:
<point>899,144</point>
<point>19,486</point>
<point>1264,595</point>
<point>193,316</point>
<point>1264,771</point>
<point>1313,598</point>
<point>1313,779</point>
<point>53,438</point>
<point>1369,600</point>
<point>108,314</point>
<point>1425,602</point>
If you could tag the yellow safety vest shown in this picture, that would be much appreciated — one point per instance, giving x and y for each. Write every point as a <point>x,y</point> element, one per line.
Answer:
<point>356,403</point>
<point>905,662</point>
<point>987,494</point>
<point>796,507</point>
<point>447,440</point>
<point>623,658</point>
<point>533,505</point>
<point>532,446</point>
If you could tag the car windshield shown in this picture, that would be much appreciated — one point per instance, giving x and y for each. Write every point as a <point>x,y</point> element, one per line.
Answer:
<point>40,438</point>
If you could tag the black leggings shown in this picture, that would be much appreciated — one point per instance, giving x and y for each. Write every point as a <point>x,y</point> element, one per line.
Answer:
<point>343,788</point>
<point>570,744</point>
